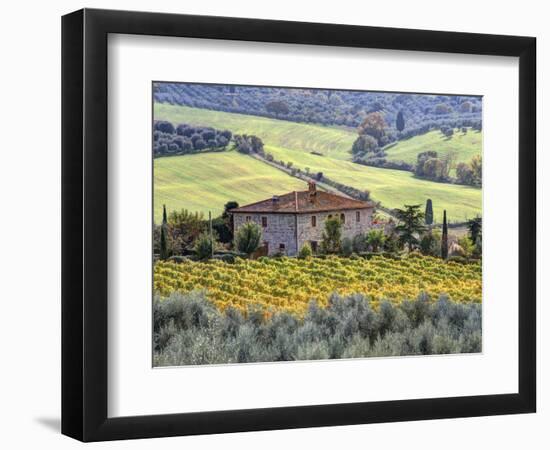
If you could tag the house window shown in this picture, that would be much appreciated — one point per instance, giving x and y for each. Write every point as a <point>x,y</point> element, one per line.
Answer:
<point>330,216</point>
<point>313,246</point>
<point>343,218</point>
<point>248,218</point>
<point>281,248</point>
<point>313,221</point>
<point>358,216</point>
<point>264,222</point>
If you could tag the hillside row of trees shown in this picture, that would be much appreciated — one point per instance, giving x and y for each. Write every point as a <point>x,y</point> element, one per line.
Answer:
<point>185,139</point>
<point>405,114</point>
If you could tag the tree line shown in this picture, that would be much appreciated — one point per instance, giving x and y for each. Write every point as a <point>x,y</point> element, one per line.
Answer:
<point>328,107</point>
<point>186,139</point>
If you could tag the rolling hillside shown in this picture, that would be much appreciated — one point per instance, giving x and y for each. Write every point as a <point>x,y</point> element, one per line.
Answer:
<point>207,181</point>
<point>465,145</point>
<point>330,141</point>
<point>393,188</point>
<point>212,179</point>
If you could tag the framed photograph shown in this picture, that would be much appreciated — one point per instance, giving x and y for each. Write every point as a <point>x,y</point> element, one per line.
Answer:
<point>273,225</point>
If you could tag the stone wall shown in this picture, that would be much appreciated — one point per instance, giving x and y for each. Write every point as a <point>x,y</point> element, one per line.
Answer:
<point>280,229</point>
<point>351,227</point>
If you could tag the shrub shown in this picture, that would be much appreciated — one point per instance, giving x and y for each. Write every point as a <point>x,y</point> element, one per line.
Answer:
<point>332,236</point>
<point>305,251</point>
<point>204,246</point>
<point>467,245</point>
<point>346,246</point>
<point>248,238</point>
<point>226,257</point>
<point>430,243</point>
<point>375,239</point>
<point>179,258</point>
<point>188,330</point>
<point>458,259</point>
<point>359,243</point>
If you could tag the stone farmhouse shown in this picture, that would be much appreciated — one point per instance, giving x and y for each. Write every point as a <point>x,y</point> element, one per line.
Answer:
<point>289,221</point>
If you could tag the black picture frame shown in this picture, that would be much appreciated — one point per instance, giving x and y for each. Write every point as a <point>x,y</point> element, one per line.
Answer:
<point>84,224</point>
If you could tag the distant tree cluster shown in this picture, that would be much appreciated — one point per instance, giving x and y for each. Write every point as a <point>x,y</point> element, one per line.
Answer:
<point>367,148</point>
<point>374,125</point>
<point>405,115</point>
<point>184,139</point>
<point>248,144</point>
<point>470,172</point>
<point>433,167</point>
<point>447,131</point>
<point>429,165</point>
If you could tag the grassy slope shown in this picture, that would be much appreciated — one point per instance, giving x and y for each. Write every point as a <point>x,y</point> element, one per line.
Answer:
<point>393,188</point>
<point>330,141</point>
<point>208,181</point>
<point>465,146</point>
<point>290,141</point>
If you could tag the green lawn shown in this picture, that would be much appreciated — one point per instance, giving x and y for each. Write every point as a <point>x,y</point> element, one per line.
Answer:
<point>464,145</point>
<point>207,181</point>
<point>393,188</point>
<point>330,141</point>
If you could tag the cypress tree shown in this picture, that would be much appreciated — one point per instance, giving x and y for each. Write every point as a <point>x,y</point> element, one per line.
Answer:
<point>429,213</point>
<point>445,237</point>
<point>163,243</point>
<point>164,218</point>
<point>400,121</point>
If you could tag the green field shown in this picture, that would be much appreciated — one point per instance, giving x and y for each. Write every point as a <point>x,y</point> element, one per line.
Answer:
<point>393,188</point>
<point>330,141</point>
<point>207,181</point>
<point>465,146</point>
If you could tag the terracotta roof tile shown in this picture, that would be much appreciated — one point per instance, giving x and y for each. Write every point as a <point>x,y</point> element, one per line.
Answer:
<point>302,202</point>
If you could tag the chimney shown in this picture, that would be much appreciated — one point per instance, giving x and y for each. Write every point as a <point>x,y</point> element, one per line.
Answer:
<point>275,201</point>
<point>312,189</point>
